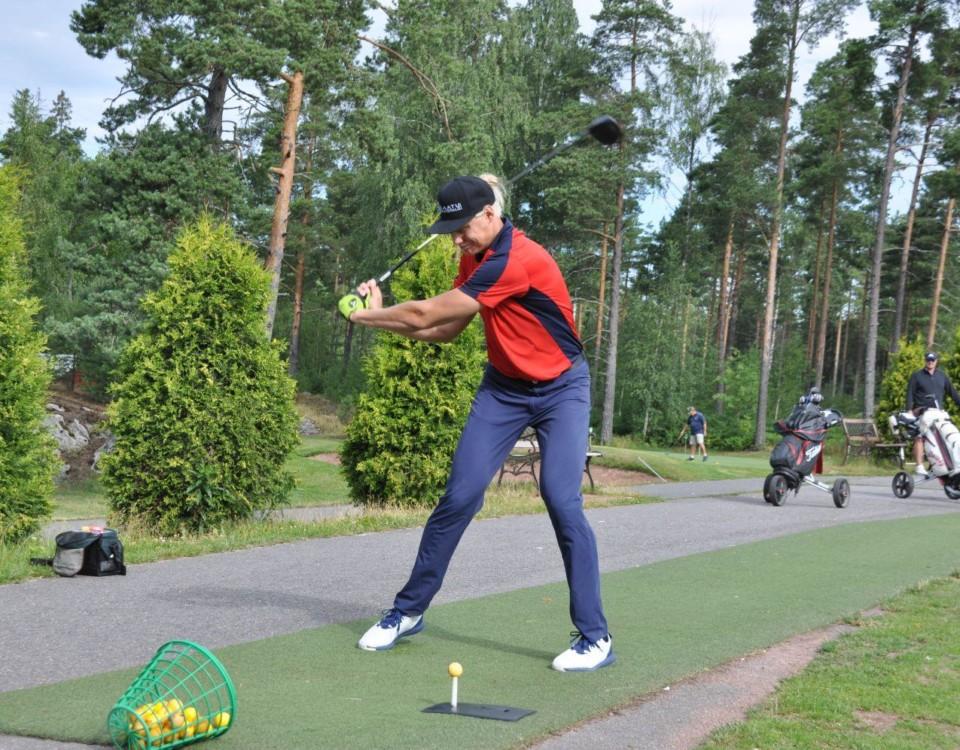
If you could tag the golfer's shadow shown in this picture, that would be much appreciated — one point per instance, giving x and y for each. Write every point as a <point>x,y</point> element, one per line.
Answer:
<point>447,635</point>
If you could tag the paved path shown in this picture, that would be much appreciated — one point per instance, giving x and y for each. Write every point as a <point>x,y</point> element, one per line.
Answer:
<point>235,597</point>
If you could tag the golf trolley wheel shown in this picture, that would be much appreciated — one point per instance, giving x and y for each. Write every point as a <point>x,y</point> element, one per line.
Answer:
<point>841,493</point>
<point>766,488</point>
<point>778,490</point>
<point>952,492</point>
<point>902,484</point>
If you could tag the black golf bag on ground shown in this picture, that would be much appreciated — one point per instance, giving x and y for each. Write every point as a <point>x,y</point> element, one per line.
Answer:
<point>800,453</point>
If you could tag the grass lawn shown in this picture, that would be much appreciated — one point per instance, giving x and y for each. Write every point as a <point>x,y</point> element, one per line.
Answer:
<point>672,464</point>
<point>318,483</point>
<point>891,685</point>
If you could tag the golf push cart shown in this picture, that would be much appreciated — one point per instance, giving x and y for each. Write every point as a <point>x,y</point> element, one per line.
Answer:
<point>799,454</point>
<point>941,447</point>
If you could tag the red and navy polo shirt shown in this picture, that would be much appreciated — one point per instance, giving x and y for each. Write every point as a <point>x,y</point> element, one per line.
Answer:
<point>525,306</point>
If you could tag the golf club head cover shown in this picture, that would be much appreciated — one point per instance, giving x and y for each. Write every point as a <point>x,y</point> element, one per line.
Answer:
<point>350,303</point>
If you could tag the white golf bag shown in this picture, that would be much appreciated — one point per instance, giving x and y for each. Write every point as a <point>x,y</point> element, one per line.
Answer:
<point>941,443</point>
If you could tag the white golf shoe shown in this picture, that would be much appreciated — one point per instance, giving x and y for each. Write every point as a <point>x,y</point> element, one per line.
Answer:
<point>920,471</point>
<point>393,626</point>
<point>585,656</point>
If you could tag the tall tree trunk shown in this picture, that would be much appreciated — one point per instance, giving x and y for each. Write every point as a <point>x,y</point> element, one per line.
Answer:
<point>845,357</point>
<point>898,317</point>
<point>938,284</point>
<point>827,275</point>
<point>347,346</point>
<point>293,364</point>
<point>889,166</point>
<point>600,302</point>
<point>766,344</point>
<point>213,105</point>
<point>610,385</point>
<point>722,312</point>
<point>281,207</point>
<point>836,354</point>
<point>683,336</point>
<point>294,355</point>
<point>812,320</point>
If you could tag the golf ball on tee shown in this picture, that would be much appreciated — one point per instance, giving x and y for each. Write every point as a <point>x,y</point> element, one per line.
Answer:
<point>455,669</point>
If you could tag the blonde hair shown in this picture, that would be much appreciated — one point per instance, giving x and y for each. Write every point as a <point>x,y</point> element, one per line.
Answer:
<point>498,192</point>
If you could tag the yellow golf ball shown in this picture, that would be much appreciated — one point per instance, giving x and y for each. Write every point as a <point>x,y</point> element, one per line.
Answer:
<point>455,669</point>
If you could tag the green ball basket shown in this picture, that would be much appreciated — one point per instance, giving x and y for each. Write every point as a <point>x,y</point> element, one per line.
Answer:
<point>182,696</point>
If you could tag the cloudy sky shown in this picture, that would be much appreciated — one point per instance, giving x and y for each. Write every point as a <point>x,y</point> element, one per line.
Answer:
<point>38,51</point>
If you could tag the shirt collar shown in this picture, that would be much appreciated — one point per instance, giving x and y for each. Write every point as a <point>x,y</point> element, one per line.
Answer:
<point>499,241</point>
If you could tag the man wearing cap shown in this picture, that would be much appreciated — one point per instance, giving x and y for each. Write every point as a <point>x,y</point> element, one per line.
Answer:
<point>697,425</point>
<point>536,376</point>
<point>928,386</point>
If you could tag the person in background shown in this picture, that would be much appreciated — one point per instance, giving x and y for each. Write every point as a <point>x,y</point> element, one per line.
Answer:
<point>928,386</point>
<point>697,426</point>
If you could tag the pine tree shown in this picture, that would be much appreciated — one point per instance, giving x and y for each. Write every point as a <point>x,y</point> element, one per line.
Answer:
<point>27,453</point>
<point>203,408</point>
<point>180,51</point>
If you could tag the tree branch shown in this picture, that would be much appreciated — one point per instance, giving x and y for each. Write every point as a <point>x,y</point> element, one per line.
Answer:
<point>425,83</point>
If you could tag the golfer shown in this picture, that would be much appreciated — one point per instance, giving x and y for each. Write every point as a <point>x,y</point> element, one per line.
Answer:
<point>536,376</point>
<point>697,425</point>
<point>928,386</point>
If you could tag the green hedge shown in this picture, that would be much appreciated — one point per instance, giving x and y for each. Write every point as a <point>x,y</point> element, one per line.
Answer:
<point>203,410</point>
<point>400,444</point>
<point>28,459</point>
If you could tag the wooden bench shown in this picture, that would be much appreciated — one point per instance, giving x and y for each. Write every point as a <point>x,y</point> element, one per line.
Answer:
<point>525,454</point>
<point>523,458</point>
<point>861,438</point>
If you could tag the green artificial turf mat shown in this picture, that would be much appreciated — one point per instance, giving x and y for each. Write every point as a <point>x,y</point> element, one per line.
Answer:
<point>315,689</point>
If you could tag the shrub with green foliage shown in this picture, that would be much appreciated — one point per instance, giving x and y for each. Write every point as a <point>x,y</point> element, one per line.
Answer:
<point>203,410</point>
<point>400,444</point>
<point>733,429</point>
<point>28,459</point>
<point>950,362</point>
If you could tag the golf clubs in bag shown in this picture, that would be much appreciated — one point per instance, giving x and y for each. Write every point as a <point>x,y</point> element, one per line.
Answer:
<point>799,455</point>
<point>941,447</point>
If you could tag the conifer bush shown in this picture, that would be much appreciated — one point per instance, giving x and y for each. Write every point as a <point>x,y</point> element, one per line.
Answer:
<point>893,388</point>
<point>28,459</point>
<point>203,410</point>
<point>400,443</point>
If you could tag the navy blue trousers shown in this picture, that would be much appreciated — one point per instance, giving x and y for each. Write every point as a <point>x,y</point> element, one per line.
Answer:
<point>559,410</point>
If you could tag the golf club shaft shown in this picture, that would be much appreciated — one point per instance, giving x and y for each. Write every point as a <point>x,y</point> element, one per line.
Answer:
<point>605,129</point>
<point>384,276</point>
<point>527,170</point>
<point>547,157</point>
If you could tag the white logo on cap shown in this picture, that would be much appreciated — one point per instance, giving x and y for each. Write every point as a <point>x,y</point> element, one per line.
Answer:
<point>451,208</point>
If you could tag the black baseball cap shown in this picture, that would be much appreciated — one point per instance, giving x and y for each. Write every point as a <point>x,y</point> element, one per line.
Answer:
<point>460,200</point>
<point>931,356</point>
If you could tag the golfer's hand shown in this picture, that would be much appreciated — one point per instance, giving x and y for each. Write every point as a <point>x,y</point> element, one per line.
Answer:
<point>372,296</point>
<point>349,304</point>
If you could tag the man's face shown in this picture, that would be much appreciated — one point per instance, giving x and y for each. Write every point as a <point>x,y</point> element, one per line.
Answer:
<point>931,364</point>
<point>477,234</point>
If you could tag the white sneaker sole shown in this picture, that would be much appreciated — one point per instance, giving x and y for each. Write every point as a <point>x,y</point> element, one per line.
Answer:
<point>611,658</point>
<point>413,631</point>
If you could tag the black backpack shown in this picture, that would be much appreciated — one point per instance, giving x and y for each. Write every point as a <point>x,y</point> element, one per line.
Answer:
<point>89,553</point>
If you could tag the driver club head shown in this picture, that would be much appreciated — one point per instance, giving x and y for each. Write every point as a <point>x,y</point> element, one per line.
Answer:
<point>606,130</point>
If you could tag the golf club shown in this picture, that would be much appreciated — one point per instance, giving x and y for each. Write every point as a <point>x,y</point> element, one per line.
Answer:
<point>603,129</point>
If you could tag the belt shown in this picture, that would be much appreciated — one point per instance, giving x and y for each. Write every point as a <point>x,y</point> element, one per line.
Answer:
<point>524,383</point>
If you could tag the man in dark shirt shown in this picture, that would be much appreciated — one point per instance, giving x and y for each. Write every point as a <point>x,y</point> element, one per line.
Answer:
<point>928,386</point>
<point>697,425</point>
